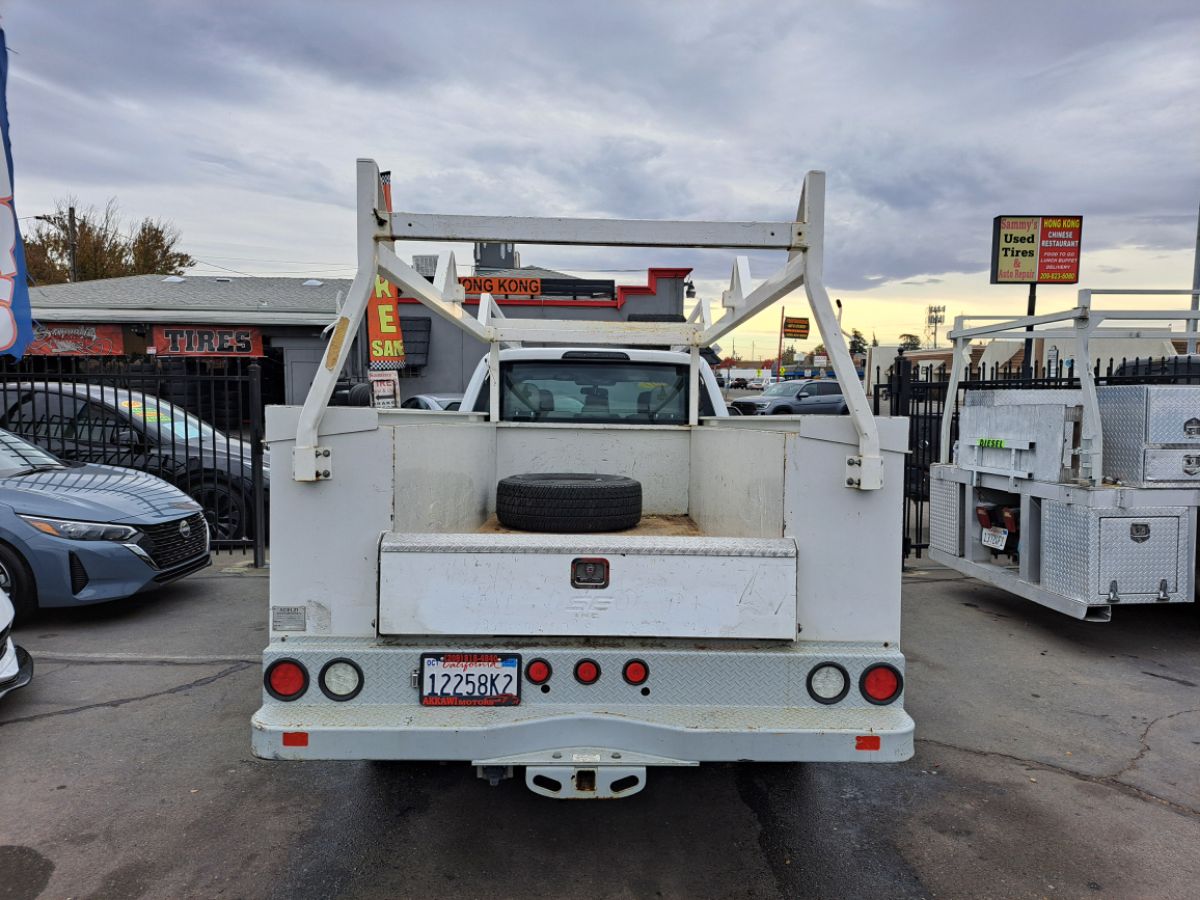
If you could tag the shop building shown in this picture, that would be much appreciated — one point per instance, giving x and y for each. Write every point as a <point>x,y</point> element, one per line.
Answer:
<point>279,322</point>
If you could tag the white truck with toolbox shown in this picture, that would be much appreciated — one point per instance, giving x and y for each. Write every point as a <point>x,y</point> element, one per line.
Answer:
<point>1080,493</point>
<point>590,568</point>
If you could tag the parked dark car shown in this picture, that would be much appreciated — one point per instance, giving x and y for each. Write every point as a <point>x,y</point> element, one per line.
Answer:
<point>802,398</point>
<point>76,533</point>
<point>738,384</point>
<point>117,427</point>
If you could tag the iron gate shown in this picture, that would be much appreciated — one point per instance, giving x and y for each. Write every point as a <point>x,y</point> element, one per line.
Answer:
<point>194,422</point>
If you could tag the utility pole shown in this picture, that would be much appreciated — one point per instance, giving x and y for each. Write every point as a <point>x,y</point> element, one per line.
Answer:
<point>72,241</point>
<point>72,244</point>
<point>1195,323</point>
<point>779,355</point>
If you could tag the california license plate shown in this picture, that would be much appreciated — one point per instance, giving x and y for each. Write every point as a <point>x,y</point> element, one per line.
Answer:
<point>470,679</point>
<point>995,538</point>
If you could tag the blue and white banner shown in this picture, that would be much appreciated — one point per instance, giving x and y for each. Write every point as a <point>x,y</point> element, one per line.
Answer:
<point>16,323</point>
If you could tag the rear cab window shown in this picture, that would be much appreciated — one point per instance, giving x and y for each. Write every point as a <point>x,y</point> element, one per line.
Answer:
<point>598,392</point>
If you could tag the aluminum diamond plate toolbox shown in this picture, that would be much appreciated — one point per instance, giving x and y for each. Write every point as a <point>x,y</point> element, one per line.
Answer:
<point>564,585</point>
<point>1120,555</point>
<point>944,515</point>
<point>1140,419</point>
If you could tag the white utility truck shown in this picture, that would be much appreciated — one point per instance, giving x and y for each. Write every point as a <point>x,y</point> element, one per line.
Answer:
<point>1079,496</point>
<point>568,575</point>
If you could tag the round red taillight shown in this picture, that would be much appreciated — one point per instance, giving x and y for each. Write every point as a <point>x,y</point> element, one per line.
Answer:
<point>286,679</point>
<point>881,684</point>
<point>636,672</point>
<point>538,671</point>
<point>587,671</point>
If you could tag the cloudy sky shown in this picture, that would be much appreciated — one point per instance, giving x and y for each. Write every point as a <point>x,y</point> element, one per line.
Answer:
<point>241,122</point>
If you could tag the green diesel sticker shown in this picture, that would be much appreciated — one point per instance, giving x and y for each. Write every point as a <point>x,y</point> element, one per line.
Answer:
<point>991,442</point>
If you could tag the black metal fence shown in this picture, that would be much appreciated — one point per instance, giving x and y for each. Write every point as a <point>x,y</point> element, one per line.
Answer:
<point>917,389</point>
<point>194,422</point>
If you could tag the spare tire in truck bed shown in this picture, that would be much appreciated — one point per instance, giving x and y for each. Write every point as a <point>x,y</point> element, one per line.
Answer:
<point>564,503</point>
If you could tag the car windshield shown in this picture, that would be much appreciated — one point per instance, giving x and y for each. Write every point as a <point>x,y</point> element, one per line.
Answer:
<point>782,387</point>
<point>574,390</point>
<point>158,417</point>
<point>18,456</point>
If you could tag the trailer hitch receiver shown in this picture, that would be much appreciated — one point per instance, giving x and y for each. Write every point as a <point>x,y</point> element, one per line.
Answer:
<point>585,782</point>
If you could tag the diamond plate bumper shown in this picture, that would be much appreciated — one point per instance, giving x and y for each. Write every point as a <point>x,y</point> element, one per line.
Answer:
<point>717,703</point>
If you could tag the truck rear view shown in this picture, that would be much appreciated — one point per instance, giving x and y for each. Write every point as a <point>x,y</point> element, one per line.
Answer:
<point>590,569</point>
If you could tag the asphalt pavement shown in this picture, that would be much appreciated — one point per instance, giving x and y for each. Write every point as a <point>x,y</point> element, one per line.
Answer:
<point>1054,759</point>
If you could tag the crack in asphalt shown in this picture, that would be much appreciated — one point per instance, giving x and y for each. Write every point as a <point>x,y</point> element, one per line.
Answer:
<point>1109,781</point>
<point>1145,743</point>
<point>99,659</point>
<point>122,701</point>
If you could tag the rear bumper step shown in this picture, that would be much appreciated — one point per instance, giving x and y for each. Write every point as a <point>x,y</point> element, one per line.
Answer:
<point>616,736</point>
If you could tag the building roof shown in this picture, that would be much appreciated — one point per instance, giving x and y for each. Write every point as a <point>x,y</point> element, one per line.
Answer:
<point>192,298</point>
<point>522,272</point>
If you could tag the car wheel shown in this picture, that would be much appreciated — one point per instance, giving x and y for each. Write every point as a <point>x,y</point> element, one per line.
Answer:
<point>226,510</point>
<point>781,411</point>
<point>18,582</point>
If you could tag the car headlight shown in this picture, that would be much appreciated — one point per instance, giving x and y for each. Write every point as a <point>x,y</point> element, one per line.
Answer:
<point>81,531</point>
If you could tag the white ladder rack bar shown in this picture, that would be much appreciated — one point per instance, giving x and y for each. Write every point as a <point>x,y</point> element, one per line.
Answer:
<point>596,232</point>
<point>377,229</point>
<point>1086,327</point>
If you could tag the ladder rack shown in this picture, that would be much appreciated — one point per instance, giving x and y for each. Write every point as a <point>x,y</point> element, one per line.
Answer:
<point>378,228</point>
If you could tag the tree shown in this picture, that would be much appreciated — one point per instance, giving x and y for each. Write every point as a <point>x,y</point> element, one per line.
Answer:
<point>789,356</point>
<point>818,350</point>
<point>103,249</point>
<point>858,343</point>
<point>910,342</point>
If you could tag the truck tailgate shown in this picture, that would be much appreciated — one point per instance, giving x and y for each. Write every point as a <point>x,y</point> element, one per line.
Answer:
<point>538,585</point>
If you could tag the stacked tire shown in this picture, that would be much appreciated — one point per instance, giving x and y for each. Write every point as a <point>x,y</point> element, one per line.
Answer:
<point>566,503</point>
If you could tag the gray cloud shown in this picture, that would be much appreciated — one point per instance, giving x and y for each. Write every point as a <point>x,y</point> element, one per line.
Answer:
<point>930,118</point>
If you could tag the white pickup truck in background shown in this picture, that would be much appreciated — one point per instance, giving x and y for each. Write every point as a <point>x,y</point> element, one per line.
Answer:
<point>656,606</point>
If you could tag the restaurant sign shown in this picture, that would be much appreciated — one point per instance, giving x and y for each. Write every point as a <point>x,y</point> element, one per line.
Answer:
<point>1036,249</point>
<point>64,339</point>
<point>501,285</point>
<point>205,340</point>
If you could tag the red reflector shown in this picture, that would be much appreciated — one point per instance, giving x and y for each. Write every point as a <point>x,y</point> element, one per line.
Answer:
<point>587,672</point>
<point>287,679</point>
<point>538,671</point>
<point>295,739</point>
<point>881,683</point>
<point>636,671</point>
<point>866,742</point>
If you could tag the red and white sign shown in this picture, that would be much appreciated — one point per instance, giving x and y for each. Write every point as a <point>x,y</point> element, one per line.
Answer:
<point>64,339</point>
<point>1036,249</point>
<point>206,340</point>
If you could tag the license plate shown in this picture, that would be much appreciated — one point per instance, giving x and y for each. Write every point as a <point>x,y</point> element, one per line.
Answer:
<point>470,679</point>
<point>995,538</point>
